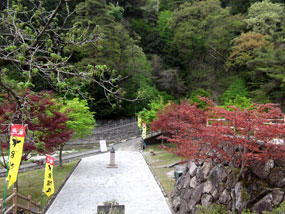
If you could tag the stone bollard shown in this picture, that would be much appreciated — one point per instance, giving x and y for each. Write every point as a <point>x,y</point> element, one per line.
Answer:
<point>112,163</point>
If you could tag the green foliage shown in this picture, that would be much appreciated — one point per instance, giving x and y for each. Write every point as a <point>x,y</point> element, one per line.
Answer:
<point>239,101</point>
<point>268,74</point>
<point>237,88</point>
<point>116,12</point>
<point>194,98</point>
<point>81,120</point>
<point>265,17</point>
<point>244,49</point>
<point>149,114</point>
<point>202,32</point>
<point>212,209</point>
<point>248,211</point>
<point>163,26</point>
<point>149,36</point>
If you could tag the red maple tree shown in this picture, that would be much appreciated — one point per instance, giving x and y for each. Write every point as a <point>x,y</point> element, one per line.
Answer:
<point>232,136</point>
<point>46,126</point>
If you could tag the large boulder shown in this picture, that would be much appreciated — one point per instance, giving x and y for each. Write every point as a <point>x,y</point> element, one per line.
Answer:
<point>225,197</point>
<point>278,196</point>
<point>277,177</point>
<point>218,174</point>
<point>203,172</point>
<point>192,168</point>
<point>265,204</point>
<point>262,170</point>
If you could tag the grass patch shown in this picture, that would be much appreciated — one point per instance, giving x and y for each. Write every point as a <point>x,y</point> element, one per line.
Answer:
<point>162,158</point>
<point>31,183</point>
<point>166,182</point>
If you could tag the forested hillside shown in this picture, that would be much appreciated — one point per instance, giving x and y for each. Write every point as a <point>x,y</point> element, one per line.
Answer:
<point>123,54</point>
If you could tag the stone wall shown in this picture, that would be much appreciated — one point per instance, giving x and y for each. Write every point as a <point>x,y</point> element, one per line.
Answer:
<point>262,187</point>
<point>112,131</point>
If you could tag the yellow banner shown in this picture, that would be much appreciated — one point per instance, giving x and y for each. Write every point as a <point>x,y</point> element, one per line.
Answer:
<point>144,131</point>
<point>16,149</point>
<point>139,121</point>
<point>15,157</point>
<point>49,183</point>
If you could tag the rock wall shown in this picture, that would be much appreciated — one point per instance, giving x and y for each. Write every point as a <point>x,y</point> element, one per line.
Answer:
<point>261,188</point>
<point>111,131</point>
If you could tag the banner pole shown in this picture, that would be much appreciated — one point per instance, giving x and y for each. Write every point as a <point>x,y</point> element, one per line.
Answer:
<point>6,180</point>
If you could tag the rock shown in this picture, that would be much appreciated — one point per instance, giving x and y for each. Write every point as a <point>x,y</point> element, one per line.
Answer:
<point>191,204</point>
<point>187,180</point>
<point>265,204</point>
<point>193,182</point>
<point>183,207</point>
<point>176,204</point>
<point>280,163</point>
<point>241,198</point>
<point>206,200</point>
<point>277,196</point>
<point>217,174</point>
<point>262,170</point>
<point>192,169</point>
<point>197,193</point>
<point>225,197</point>
<point>179,182</point>
<point>277,177</point>
<point>208,187</point>
<point>215,194</point>
<point>203,172</point>
<point>187,194</point>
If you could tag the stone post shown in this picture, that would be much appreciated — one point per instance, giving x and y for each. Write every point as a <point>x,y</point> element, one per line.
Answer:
<point>112,163</point>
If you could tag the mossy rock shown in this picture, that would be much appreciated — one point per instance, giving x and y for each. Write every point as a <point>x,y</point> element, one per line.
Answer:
<point>277,177</point>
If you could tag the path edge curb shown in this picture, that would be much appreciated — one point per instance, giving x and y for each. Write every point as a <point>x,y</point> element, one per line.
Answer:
<point>51,200</point>
<point>158,182</point>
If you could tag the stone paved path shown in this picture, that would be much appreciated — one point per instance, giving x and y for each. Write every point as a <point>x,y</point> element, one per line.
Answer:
<point>131,184</point>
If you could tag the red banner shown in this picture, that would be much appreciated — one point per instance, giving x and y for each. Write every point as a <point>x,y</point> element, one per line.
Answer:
<point>50,160</point>
<point>18,130</point>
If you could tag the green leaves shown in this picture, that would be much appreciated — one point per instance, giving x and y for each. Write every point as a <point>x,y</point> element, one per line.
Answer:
<point>81,120</point>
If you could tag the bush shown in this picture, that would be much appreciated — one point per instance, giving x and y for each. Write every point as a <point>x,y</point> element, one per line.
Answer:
<point>212,209</point>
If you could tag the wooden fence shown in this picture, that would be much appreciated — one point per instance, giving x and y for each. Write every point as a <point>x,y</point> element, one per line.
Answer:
<point>31,206</point>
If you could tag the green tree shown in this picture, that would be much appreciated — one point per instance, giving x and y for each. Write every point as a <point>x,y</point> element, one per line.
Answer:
<point>244,49</point>
<point>202,32</point>
<point>237,88</point>
<point>163,26</point>
<point>32,44</point>
<point>149,113</point>
<point>120,53</point>
<point>265,17</point>
<point>81,120</point>
<point>195,97</point>
<point>268,71</point>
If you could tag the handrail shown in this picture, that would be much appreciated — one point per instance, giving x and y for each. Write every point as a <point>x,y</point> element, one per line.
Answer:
<point>15,205</point>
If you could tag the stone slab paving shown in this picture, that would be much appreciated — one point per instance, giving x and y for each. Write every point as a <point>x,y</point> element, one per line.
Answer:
<point>91,184</point>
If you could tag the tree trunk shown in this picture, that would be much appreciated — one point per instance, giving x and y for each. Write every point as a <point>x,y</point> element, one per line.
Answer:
<point>233,200</point>
<point>60,154</point>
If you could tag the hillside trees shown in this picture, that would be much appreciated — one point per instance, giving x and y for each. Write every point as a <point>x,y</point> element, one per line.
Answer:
<point>234,136</point>
<point>202,32</point>
<point>265,17</point>
<point>118,51</point>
